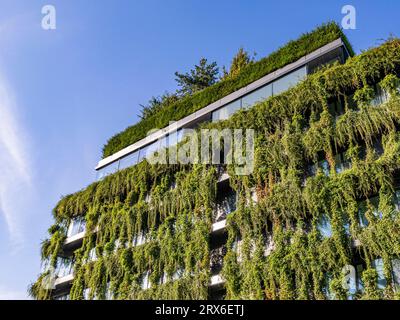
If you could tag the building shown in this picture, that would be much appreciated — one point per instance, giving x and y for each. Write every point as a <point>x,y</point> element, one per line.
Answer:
<point>320,207</point>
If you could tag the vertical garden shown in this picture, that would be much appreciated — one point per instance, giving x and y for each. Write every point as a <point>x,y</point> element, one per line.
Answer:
<point>327,152</point>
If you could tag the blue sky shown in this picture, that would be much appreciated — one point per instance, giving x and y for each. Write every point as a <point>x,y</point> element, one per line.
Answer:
<point>64,92</point>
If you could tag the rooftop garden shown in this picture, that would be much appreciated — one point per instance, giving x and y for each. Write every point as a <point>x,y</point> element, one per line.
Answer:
<point>191,102</point>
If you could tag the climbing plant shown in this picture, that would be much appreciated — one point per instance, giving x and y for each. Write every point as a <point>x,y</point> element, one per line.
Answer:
<point>275,247</point>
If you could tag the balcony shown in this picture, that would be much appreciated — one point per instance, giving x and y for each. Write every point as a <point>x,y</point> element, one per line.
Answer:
<point>64,272</point>
<point>75,234</point>
<point>64,281</point>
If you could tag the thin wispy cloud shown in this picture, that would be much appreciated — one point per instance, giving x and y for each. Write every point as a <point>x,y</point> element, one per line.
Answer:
<point>8,294</point>
<point>15,175</point>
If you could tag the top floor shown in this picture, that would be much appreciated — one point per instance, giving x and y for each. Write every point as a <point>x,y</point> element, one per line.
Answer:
<point>269,85</point>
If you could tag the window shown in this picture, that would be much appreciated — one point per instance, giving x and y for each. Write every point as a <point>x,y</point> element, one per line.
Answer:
<point>64,267</point>
<point>156,146</point>
<point>226,203</point>
<point>361,214</point>
<point>174,138</point>
<point>139,239</point>
<point>177,274</point>
<point>380,96</point>
<point>117,245</point>
<point>107,170</point>
<point>289,80</point>
<point>76,226</point>
<point>145,284</point>
<point>323,165</point>
<point>378,266</point>
<point>359,283</point>
<point>256,96</point>
<point>375,207</point>
<point>324,226</point>
<point>396,273</point>
<point>86,294</point>
<point>63,297</point>
<point>92,255</point>
<point>226,111</point>
<point>397,200</point>
<point>129,160</point>
<point>342,163</point>
<point>142,154</point>
<point>109,295</point>
<point>377,145</point>
<point>326,288</point>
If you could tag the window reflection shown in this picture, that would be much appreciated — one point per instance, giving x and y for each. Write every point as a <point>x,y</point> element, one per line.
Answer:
<point>324,226</point>
<point>107,170</point>
<point>129,161</point>
<point>226,111</point>
<point>257,96</point>
<point>76,226</point>
<point>289,80</point>
<point>378,266</point>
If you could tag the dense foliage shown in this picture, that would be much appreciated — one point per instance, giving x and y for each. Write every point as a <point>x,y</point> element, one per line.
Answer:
<point>291,52</point>
<point>294,130</point>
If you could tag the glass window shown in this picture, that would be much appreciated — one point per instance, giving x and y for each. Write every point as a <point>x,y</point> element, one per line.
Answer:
<point>92,255</point>
<point>129,160</point>
<point>380,96</point>
<point>397,200</point>
<point>352,283</point>
<point>139,239</point>
<point>225,205</point>
<point>109,169</point>
<point>378,266</point>
<point>375,205</point>
<point>256,96</point>
<point>359,271</point>
<point>142,154</point>
<point>86,293</point>
<point>324,165</point>
<point>151,148</point>
<point>64,267</point>
<point>396,273</point>
<point>174,138</point>
<point>289,80</point>
<point>324,226</point>
<point>226,111</point>
<point>361,214</point>
<point>326,287</point>
<point>342,163</point>
<point>177,274</point>
<point>145,281</point>
<point>109,294</point>
<point>377,145</point>
<point>76,226</point>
